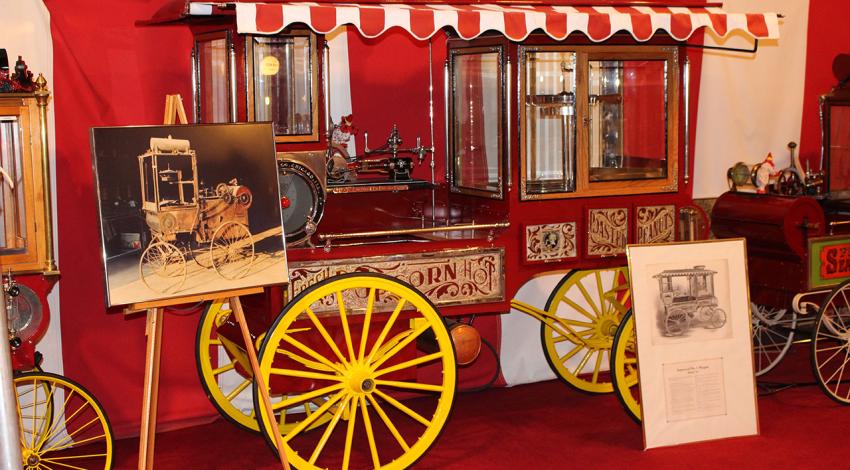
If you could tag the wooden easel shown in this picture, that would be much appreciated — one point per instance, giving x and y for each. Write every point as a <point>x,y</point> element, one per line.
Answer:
<point>153,331</point>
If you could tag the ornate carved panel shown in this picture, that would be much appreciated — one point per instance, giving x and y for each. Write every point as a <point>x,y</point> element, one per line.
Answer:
<point>550,242</point>
<point>656,224</point>
<point>450,278</point>
<point>607,231</point>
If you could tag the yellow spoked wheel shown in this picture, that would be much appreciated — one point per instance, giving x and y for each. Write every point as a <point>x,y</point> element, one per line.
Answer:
<point>62,425</point>
<point>217,360</point>
<point>584,311</point>
<point>225,372</point>
<point>831,345</point>
<point>624,374</point>
<point>378,353</point>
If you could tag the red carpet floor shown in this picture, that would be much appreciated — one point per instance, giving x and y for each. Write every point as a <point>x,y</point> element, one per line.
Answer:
<point>548,425</point>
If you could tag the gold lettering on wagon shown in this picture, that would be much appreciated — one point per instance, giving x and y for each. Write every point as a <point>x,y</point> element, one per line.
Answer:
<point>656,224</point>
<point>455,278</point>
<point>607,231</point>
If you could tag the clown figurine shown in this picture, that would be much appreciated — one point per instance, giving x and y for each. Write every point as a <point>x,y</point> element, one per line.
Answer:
<point>765,171</point>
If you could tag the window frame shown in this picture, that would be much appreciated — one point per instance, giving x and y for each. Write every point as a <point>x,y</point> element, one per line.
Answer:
<point>314,83</point>
<point>502,128</point>
<point>229,74</point>
<point>584,54</point>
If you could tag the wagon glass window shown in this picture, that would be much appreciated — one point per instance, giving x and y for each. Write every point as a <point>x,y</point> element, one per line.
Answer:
<point>549,122</point>
<point>12,221</point>
<point>213,93</point>
<point>477,122</point>
<point>283,83</point>
<point>627,107</point>
<point>839,148</point>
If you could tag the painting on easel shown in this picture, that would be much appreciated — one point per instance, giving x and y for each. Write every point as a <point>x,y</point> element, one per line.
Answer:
<point>187,210</point>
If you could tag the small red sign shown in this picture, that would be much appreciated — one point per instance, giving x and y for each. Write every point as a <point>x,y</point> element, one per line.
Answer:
<point>835,261</point>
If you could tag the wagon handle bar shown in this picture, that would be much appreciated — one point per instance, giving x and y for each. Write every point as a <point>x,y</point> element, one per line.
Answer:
<point>556,323</point>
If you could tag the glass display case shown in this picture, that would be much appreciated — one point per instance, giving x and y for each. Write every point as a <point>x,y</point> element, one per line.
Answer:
<point>477,120</point>
<point>283,84</point>
<point>597,120</point>
<point>25,224</point>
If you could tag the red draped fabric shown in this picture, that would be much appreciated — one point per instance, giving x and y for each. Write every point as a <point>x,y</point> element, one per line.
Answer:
<point>110,73</point>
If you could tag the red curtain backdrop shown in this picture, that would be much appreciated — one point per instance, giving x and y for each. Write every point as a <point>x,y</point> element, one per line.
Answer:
<point>111,73</point>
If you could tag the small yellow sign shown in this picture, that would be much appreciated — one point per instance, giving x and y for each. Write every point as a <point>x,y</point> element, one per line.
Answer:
<point>269,65</point>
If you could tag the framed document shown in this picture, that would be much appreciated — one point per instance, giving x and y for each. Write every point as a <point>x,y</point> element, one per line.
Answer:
<point>694,345</point>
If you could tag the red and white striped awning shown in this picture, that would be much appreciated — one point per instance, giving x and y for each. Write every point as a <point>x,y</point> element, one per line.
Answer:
<point>515,22</point>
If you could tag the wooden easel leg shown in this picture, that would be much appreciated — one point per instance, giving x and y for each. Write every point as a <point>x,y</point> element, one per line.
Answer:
<point>236,306</point>
<point>147,433</point>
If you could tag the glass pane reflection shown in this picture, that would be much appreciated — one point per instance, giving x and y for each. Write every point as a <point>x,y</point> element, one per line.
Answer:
<point>628,119</point>
<point>477,124</point>
<point>12,222</point>
<point>282,83</point>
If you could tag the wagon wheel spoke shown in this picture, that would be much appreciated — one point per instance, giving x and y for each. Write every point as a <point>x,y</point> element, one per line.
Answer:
<point>773,334</point>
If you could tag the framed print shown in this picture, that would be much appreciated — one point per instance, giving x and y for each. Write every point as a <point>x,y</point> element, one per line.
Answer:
<point>694,345</point>
<point>187,210</point>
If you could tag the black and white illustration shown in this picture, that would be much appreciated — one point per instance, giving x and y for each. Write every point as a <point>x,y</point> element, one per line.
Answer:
<point>692,301</point>
<point>187,210</point>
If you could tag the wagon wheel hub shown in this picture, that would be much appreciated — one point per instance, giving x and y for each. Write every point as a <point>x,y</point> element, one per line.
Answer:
<point>30,458</point>
<point>604,329</point>
<point>361,380</point>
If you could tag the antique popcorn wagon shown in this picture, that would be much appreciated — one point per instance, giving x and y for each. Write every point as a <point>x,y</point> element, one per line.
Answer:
<point>186,220</point>
<point>547,137</point>
<point>694,305</point>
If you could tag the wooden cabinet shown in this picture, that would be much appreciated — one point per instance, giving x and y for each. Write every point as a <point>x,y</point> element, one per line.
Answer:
<point>25,224</point>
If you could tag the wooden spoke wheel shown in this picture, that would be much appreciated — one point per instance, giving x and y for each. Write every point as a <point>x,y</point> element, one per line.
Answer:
<point>224,369</point>
<point>624,367</point>
<point>831,345</point>
<point>62,425</point>
<point>201,254</point>
<point>378,352</point>
<point>773,334</point>
<point>716,319</point>
<point>586,307</point>
<point>676,322</point>
<point>162,267</point>
<point>225,372</point>
<point>232,250</point>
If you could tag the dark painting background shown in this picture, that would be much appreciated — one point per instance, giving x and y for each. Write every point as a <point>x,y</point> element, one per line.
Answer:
<point>224,152</point>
